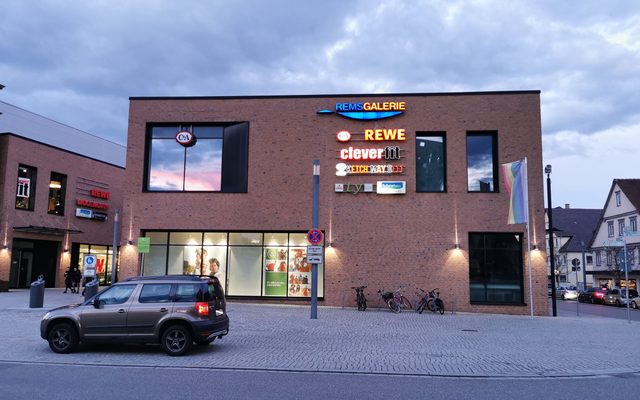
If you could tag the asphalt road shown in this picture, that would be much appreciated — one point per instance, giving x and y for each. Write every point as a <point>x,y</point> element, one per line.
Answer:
<point>569,308</point>
<point>52,381</point>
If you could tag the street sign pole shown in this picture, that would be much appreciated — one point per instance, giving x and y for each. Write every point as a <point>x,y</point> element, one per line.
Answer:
<point>114,250</point>
<point>626,277</point>
<point>314,223</point>
<point>575,262</point>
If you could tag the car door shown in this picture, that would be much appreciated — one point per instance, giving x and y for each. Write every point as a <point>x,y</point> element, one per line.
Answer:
<point>151,306</point>
<point>108,317</point>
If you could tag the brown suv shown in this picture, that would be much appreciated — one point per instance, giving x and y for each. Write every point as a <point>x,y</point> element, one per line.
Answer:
<point>174,311</point>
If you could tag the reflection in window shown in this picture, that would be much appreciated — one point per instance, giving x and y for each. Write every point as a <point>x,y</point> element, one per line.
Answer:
<point>173,167</point>
<point>495,268</point>
<point>481,162</point>
<point>57,188</point>
<point>26,187</point>
<point>430,162</point>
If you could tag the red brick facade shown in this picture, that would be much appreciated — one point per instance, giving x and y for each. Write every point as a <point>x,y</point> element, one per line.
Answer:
<point>378,240</point>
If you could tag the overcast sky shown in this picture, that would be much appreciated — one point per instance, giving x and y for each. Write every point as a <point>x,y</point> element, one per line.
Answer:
<point>78,62</point>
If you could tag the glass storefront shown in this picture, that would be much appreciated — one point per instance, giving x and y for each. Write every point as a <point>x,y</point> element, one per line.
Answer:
<point>248,264</point>
<point>104,260</point>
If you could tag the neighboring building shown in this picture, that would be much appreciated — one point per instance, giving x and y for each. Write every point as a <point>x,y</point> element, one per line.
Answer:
<point>411,200</point>
<point>59,188</point>
<point>616,233</point>
<point>573,229</point>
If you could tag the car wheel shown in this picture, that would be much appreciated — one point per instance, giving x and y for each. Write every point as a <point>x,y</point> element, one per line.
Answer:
<point>176,340</point>
<point>63,338</point>
<point>617,303</point>
<point>593,301</point>
<point>563,297</point>
<point>634,305</point>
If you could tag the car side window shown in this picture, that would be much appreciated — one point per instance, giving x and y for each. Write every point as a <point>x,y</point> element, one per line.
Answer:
<point>188,292</point>
<point>117,294</point>
<point>155,293</point>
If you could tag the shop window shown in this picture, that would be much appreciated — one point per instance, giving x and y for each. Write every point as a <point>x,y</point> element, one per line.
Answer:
<point>430,162</point>
<point>495,268</point>
<point>57,189</point>
<point>26,187</point>
<point>104,260</point>
<point>216,161</point>
<point>482,165</point>
<point>255,264</point>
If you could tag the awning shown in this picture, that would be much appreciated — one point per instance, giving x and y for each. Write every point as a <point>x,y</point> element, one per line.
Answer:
<point>45,230</point>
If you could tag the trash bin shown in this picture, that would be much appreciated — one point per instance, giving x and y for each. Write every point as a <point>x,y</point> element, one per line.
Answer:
<point>90,289</point>
<point>36,293</point>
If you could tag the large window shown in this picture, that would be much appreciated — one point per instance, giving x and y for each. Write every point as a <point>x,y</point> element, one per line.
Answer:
<point>248,264</point>
<point>104,259</point>
<point>57,188</point>
<point>495,268</point>
<point>430,162</point>
<point>214,160</point>
<point>26,187</point>
<point>482,164</point>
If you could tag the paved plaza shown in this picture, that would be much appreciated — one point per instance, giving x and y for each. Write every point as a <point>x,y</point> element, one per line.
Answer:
<point>284,338</point>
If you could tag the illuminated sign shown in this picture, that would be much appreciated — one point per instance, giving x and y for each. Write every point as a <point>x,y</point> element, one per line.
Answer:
<point>343,169</point>
<point>343,136</point>
<point>378,135</point>
<point>99,194</point>
<point>391,187</point>
<point>388,153</point>
<point>186,138</point>
<point>84,213</point>
<point>368,110</point>
<point>91,204</point>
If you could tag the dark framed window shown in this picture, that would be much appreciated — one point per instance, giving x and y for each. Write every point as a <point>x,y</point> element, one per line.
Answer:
<point>621,227</point>
<point>57,189</point>
<point>618,199</point>
<point>610,232</point>
<point>482,162</point>
<point>496,268</point>
<point>26,187</point>
<point>216,160</point>
<point>633,224</point>
<point>431,162</point>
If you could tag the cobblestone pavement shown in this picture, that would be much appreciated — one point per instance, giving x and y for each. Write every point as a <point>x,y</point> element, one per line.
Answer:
<point>279,337</point>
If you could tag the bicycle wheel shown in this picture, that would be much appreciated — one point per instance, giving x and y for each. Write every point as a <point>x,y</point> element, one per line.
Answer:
<point>364,304</point>
<point>430,306</point>
<point>440,306</point>
<point>420,307</point>
<point>393,306</point>
<point>406,303</point>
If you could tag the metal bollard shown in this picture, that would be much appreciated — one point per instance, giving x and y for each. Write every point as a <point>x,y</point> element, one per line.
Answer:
<point>36,293</point>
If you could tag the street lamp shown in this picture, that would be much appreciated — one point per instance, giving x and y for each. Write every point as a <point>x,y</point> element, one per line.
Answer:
<point>547,170</point>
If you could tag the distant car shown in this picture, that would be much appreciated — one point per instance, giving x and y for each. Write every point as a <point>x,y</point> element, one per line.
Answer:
<point>618,296</point>
<point>635,302</point>
<point>593,295</point>
<point>567,292</point>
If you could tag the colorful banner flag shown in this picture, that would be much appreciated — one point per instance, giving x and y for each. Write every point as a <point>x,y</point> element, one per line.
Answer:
<point>514,177</point>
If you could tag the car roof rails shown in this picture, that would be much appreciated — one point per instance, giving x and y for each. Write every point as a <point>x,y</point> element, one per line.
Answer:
<point>163,278</point>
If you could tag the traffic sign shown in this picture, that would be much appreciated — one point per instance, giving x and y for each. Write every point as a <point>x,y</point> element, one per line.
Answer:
<point>314,259</point>
<point>89,265</point>
<point>315,236</point>
<point>314,250</point>
<point>575,262</point>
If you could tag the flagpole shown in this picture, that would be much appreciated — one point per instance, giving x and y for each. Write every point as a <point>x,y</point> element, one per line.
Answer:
<point>526,206</point>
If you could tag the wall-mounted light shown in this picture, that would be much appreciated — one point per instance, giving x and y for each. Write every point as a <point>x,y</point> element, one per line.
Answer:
<point>66,250</point>
<point>5,247</point>
<point>129,242</point>
<point>535,247</point>
<point>330,245</point>
<point>456,246</point>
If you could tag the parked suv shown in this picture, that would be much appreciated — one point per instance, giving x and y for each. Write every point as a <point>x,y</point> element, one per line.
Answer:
<point>175,311</point>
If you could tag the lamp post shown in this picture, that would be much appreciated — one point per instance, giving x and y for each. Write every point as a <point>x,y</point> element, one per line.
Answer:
<point>584,268</point>
<point>547,170</point>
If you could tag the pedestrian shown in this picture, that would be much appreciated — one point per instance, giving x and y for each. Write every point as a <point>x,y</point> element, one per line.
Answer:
<point>77,276</point>
<point>68,280</point>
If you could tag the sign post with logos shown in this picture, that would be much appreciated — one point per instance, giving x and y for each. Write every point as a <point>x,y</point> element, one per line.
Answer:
<point>89,262</point>
<point>315,237</point>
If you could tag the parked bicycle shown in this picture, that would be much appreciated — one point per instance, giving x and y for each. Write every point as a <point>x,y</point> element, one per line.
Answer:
<point>360,299</point>
<point>395,300</point>
<point>430,300</point>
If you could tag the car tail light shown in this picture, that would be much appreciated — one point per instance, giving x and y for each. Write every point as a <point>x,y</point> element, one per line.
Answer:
<point>599,294</point>
<point>202,308</point>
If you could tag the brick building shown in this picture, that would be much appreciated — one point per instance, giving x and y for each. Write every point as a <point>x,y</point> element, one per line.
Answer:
<point>59,188</point>
<point>410,195</point>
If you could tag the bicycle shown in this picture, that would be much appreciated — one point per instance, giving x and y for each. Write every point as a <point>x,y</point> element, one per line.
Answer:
<point>401,300</point>
<point>395,300</point>
<point>432,301</point>
<point>360,299</point>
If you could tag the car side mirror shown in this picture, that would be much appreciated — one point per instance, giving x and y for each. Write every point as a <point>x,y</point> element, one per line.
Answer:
<point>96,302</point>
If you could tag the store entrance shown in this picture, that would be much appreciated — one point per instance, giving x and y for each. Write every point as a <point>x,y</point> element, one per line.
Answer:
<point>31,258</point>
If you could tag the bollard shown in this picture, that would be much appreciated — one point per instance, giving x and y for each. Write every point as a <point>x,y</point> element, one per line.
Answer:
<point>36,293</point>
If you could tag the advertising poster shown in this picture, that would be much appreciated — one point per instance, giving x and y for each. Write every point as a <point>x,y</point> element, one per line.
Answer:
<point>299,273</point>
<point>275,270</point>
